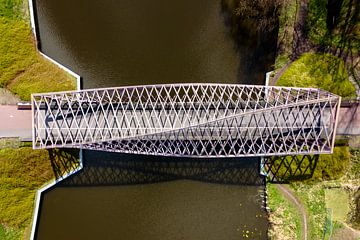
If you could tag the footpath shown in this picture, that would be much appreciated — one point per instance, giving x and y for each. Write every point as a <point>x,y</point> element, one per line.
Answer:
<point>15,123</point>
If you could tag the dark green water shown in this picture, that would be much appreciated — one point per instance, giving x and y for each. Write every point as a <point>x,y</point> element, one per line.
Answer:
<point>120,196</point>
<point>130,42</point>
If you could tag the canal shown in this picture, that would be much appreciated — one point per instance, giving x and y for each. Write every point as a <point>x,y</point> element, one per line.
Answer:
<point>126,42</point>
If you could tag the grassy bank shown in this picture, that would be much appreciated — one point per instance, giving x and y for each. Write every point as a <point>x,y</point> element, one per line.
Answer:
<point>22,69</point>
<point>319,71</point>
<point>312,196</point>
<point>23,171</point>
<point>328,184</point>
<point>284,217</point>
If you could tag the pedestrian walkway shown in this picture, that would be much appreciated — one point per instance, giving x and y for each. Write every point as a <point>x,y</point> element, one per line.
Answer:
<point>15,123</point>
<point>349,120</point>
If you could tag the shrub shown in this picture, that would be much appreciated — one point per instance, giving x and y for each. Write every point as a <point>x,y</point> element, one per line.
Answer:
<point>323,71</point>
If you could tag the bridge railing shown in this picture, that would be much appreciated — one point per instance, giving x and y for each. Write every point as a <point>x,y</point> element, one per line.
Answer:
<point>197,120</point>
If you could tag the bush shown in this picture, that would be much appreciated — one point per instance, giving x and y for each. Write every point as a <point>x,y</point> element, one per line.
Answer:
<point>323,71</point>
<point>311,168</point>
<point>332,166</point>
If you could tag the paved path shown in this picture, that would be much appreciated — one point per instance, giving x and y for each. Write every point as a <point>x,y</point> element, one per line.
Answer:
<point>15,123</point>
<point>349,121</point>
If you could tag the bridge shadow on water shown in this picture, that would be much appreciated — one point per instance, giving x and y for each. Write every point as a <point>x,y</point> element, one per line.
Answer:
<point>106,169</point>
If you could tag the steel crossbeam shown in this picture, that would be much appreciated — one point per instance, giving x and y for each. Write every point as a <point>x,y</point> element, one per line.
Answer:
<point>194,120</point>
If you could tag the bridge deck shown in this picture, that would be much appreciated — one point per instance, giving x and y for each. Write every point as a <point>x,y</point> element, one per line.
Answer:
<point>197,120</point>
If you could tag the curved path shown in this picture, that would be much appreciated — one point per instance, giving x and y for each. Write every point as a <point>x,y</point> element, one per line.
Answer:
<point>288,194</point>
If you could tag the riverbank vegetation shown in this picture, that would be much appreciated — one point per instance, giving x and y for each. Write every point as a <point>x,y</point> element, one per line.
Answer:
<point>326,29</point>
<point>319,70</point>
<point>334,25</point>
<point>284,217</point>
<point>23,171</point>
<point>22,69</point>
<point>314,184</point>
<point>318,46</point>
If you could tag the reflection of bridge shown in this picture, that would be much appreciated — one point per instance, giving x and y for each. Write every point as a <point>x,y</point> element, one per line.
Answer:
<point>196,120</point>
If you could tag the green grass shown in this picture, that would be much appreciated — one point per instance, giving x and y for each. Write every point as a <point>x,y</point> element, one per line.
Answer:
<point>284,217</point>
<point>281,60</point>
<point>12,9</point>
<point>323,71</point>
<point>23,171</point>
<point>9,233</point>
<point>22,69</point>
<point>332,166</point>
<point>313,197</point>
<point>338,200</point>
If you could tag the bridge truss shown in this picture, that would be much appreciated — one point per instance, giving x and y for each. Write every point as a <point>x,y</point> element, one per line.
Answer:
<point>188,120</point>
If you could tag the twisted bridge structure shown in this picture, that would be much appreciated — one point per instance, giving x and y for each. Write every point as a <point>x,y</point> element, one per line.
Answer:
<point>188,120</point>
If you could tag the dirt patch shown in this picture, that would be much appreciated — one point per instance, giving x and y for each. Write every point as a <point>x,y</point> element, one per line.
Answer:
<point>346,233</point>
<point>8,98</point>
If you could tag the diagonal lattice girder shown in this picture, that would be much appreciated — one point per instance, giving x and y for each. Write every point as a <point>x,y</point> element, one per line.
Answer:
<point>195,120</point>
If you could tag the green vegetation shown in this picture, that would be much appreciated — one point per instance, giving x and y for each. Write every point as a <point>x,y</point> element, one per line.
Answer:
<point>339,28</point>
<point>284,217</point>
<point>22,69</point>
<point>353,172</point>
<point>23,171</point>
<point>9,233</point>
<point>287,19</point>
<point>334,196</point>
<point>313,197</point>
<point>11,9</point>
<point>311,179</point>
<point>323,71</point>
<point>312,168</point>
<point>353,176</point>
<point>332,166</point>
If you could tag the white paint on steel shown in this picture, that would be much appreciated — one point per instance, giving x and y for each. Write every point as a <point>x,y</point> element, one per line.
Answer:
<point>189,120</point>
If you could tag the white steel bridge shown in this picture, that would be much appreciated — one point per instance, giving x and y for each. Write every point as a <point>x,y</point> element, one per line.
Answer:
<point>188,120</point>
